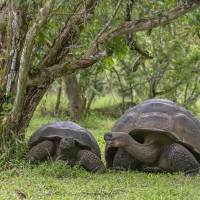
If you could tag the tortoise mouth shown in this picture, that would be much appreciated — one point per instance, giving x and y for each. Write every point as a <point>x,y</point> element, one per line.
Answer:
<point>64,147</point>
<point>110,139</point>
<point>110,142</point>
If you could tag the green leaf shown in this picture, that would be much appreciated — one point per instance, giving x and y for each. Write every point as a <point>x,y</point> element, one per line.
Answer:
<point>17,3</point>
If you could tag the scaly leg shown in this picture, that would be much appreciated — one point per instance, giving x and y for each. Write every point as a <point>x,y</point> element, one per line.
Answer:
<point>90,161</point>
<point>178,158</point>
<point>124,161</point>
<point>40,152</point>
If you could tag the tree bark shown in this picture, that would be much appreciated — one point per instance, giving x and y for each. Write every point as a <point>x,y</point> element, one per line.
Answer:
<point>76,99</point>
<point>20,52</point>
<point>58,95</point>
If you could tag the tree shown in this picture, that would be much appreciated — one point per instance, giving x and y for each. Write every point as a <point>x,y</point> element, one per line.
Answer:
<point>36,49</point>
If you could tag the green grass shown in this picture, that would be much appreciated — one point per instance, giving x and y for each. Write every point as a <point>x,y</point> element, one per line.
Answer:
<point>56,181</point>
<point>50,180</point>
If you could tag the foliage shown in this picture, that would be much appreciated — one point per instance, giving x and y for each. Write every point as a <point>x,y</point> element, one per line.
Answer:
<point>173,71</point>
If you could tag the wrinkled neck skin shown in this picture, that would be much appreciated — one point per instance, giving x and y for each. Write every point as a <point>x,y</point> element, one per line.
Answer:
<point>147,152</point>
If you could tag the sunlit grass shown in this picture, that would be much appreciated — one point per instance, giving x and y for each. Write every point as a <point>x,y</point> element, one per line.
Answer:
<point>108,100</point>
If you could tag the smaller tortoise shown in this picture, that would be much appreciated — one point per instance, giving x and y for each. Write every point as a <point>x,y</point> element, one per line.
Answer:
<point>66,140</point>
<point>155,136</point>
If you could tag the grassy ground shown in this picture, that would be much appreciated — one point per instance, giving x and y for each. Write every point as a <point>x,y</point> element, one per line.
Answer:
<point>55,181</point>
<point>50,180</point>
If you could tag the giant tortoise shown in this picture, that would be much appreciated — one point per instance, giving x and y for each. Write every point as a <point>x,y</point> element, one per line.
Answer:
<point>66,140</point>
<point>157,135</point>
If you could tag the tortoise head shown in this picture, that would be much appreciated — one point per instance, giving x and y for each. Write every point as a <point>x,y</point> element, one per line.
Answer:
<point>67,143</point>
<point>116,139</point>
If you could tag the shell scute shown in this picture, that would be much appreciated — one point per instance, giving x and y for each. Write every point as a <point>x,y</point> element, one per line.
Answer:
<point>186,125</point>
<point>155,120</point>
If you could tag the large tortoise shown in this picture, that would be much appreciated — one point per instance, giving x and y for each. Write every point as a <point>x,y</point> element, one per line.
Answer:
<point>66,140</point>
<point>155,136</point>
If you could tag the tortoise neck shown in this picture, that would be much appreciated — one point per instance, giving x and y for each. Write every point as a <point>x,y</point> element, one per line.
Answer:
<point>147,152</point>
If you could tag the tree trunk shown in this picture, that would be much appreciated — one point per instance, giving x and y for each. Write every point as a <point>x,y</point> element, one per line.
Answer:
<point>58,95</point>
<point>23,90</point>
<point>75,96</point>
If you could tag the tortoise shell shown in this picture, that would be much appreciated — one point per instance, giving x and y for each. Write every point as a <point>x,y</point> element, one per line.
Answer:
<point>161,116</point>
<point>63,129</point>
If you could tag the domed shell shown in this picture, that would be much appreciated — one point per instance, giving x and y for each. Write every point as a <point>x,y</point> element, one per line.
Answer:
<point>62,129</point>
<point>161,116</point>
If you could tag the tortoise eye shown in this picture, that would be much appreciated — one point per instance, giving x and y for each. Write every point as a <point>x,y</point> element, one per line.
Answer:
<point>108,134</point>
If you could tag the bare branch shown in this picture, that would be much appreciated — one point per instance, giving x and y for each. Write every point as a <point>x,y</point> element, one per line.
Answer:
<point>85,63</point>
<point>137,62</point>
<point>129,6</point>
<point>131,42</point>
<point>135,46</point>
<point>169,89</point>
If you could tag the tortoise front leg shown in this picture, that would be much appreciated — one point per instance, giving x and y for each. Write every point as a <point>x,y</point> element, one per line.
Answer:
<point>41,151</point>
<point>177,158</point>
<point>90,161</point>
<point>125,161</point>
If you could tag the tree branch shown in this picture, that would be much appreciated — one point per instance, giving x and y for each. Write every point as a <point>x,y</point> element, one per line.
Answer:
<point>142,25</point>
<point>68,68</point>
<point>106,25</point>
<point>108,36</point>
<point>69,34</point>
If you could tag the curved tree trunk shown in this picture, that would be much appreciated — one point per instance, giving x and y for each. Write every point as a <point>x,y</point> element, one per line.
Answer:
<point>22,90</point>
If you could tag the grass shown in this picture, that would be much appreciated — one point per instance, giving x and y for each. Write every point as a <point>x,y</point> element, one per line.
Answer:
<point>50,180</point>
<point>56,181</point>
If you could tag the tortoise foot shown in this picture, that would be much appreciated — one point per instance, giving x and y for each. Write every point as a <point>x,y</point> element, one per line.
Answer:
<point>124,161</point>
<point>90,161</point>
